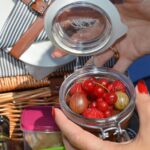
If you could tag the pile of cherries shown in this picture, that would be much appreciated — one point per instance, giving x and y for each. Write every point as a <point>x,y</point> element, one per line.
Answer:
<point>97,97</point>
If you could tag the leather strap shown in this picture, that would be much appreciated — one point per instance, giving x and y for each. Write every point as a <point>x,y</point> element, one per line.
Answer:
<point>27,38</point>
<point>33,31</point>
<point>37,5</point>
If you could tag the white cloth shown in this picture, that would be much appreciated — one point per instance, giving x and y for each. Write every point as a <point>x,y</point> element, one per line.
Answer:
<point>15,18</point>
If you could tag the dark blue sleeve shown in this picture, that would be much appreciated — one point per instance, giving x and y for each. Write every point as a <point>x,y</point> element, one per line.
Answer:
<point>140,68</point>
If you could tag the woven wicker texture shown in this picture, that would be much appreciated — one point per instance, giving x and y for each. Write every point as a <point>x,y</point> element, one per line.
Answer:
<point>21,83</point>
<point>28,82</point>
<point>12,103</point>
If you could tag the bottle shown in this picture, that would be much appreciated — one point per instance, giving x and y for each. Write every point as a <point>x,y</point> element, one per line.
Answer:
<point>4,133</point>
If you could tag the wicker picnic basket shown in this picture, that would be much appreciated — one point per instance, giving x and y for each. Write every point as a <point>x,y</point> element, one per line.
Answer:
<point>18,92</point>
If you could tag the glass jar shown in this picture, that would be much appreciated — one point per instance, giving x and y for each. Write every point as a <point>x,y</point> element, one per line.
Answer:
<point>83,27</point>
<point>106,127</point>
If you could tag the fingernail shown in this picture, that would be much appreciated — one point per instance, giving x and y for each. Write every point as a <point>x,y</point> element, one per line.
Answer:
<point>142,88</point>
<point>53,112</point>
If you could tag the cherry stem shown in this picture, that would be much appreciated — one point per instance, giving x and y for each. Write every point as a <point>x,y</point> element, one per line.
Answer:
<point>102,86</point>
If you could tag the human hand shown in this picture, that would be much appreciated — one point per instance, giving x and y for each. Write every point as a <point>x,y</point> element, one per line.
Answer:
<point>136,15</point>
<point>77,138</point>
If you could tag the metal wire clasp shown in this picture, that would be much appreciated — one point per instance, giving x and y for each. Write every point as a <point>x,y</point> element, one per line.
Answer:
<point>34,1</point>
<point>31,2</point>
<point>120,134</point>
<point>41,7</point>
<point>48,1</point>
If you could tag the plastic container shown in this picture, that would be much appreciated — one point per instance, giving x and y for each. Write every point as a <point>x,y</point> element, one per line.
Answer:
<point>106,127</point>
<point>39,129</point>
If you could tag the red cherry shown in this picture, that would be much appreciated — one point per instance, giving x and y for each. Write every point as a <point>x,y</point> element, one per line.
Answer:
<point>78,103</point>
<point>91,96</point>
<point>76,87</point>
<point>104,95</point>
<point>110,87</point>
<point>88,85</point>
<point>93,79</point>
<point>119,86</point>
<point>93,104</point>
<point>111,108</point>
<point>98,91</point>
<point>103,82</point>
<point>108,113</point>
<point>111,98</point>
<point>93,113</point>
<point>99,100</point>
<point>102,106</point>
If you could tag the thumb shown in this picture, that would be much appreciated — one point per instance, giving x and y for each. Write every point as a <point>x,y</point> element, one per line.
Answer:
<point>75,134</point>
<point>143,106</point>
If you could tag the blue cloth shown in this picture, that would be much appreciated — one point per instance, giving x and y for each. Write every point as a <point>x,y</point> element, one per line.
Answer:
<point>140,69</point>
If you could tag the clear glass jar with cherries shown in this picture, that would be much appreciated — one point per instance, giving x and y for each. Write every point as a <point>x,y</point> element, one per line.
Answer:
<point>100,100</point>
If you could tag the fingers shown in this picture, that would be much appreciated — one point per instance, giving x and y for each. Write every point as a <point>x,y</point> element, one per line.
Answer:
<point>103,58</point>
<point>57,53</point>
<point>76,135</point>
<point>143,103</point>
<point>142,100</point>
<point>67,145</point>
<point>142,87</point>
<point>122,64</point>
<point>143,106</point>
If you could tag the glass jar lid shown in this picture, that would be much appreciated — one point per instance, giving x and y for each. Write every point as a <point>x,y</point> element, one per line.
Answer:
<point>81,27</point>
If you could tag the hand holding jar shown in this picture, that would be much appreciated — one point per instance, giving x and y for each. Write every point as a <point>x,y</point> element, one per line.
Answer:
<point>77,138</point>
<point>136,15</point>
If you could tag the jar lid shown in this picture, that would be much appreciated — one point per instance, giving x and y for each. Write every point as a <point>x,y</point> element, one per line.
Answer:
<point>38,118</point>
<point>83,27</point>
